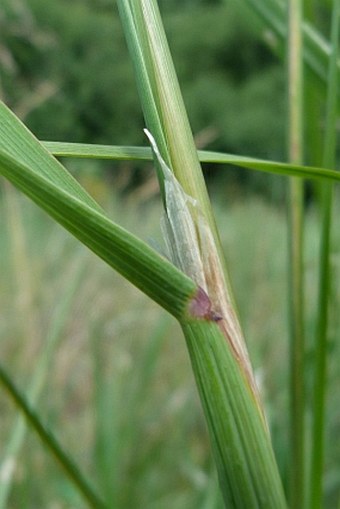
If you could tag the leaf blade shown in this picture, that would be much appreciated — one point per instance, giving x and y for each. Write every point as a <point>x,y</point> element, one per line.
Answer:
<point>55,190</point>
<point>134,153</point>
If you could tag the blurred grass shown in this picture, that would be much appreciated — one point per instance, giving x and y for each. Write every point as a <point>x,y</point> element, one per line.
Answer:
<point>120,394</point>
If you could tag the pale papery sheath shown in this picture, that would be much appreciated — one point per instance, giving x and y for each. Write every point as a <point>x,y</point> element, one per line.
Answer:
<point>192,248</point>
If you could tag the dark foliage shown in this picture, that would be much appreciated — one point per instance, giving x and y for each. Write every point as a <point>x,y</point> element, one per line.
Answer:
<point>70,76</point>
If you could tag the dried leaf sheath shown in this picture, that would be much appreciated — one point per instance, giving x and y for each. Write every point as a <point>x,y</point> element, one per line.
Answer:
<point>221,301</point>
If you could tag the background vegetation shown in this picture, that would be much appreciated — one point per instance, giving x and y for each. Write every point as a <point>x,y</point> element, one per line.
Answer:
<point>122,403</point>
<point>69,62</point>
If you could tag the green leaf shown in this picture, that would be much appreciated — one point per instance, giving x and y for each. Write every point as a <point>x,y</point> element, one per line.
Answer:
<point>87,151</point>
<point>37,383</point>
<point>29,166</point>
<point>52,444</point>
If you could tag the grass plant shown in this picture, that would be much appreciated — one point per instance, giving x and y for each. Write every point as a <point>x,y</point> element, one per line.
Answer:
<point>197,292</point>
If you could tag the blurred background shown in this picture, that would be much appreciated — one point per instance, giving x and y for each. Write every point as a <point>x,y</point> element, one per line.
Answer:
<point>69,63</point>
<point>117,385</point>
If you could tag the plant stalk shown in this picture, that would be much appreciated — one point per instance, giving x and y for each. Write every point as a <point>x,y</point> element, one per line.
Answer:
<point>247,470</point>
<point>237,431</point>
<point>296,311</point>
<point>320,378</point>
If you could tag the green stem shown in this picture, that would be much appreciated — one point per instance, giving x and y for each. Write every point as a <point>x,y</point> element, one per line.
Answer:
<point>297,389</point>
<point>161,99</point>
<point>320,380</point>
<point>297,369</point>
<point>320,377</point>
<point>240,440</point>
<point>247,471</point>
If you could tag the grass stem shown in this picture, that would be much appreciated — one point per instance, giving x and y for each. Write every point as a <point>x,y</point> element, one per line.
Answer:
<point>297,389</point>
<point>320,378</point>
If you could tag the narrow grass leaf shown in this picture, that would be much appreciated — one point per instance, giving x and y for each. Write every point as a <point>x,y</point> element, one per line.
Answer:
<point>126,153</point>
<point>51,443</point>
<point>20,143</point>
<point>36,384</point>
<point>47,183</point>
